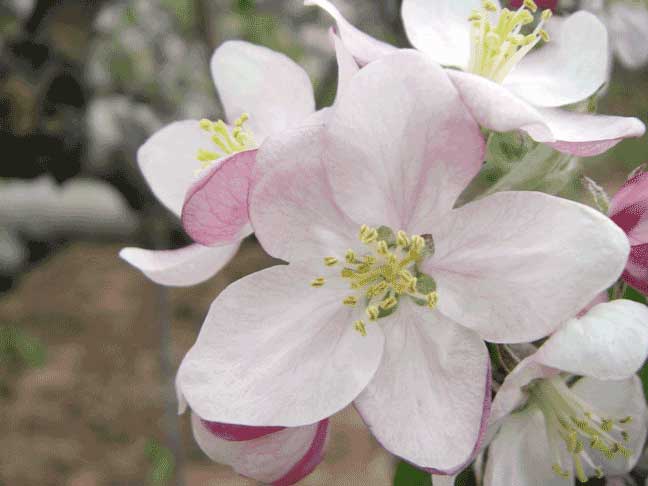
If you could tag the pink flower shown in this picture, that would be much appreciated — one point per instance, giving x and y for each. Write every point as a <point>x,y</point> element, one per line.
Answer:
<point>629,209</point>
<point>551,429</point>
<point>275,94</point>
<point>394,322</point>
<point>507,85</point>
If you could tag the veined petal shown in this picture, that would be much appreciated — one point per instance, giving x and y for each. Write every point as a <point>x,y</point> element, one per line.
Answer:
<point>269,86</point>
<point>215,211</point>
<point>520,454</point>
<point>274,351</point>
<point>440,28</point>
<point>569,68</point>
<point>280,458</point>
<point>362,46</point>
<point>186,266</point>
<point>609,343</point>
<point>168,160</point>
<point>514,265</point>
<point>413,151</point>
<point>432,407</point>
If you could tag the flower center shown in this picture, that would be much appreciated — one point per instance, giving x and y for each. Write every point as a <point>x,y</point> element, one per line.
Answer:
<point>497,43</point>
<point>379,277</point>
<point>570,420</point>
<point>228,141</point>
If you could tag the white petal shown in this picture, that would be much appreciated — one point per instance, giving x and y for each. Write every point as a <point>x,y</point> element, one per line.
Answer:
<point>440,28</point>
<point>186,266</point>
<point>520,454</point>
<point>569,68</point>
<point>269,86</point>
<point>514,265</point>
<point>628,24</point>
<point>275,351</point>
<point>429,400</point>
<point>413,144</point>
<point>168,161</point>
<point>438,480</point>
<point>609,343</point>
<point>347,66</point>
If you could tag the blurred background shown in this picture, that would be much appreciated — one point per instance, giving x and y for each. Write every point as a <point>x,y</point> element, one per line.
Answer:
<point>88,346</point>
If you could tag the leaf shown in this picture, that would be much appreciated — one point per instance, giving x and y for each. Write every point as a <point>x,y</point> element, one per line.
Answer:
<point>408,475</point>
<point>162,462</point>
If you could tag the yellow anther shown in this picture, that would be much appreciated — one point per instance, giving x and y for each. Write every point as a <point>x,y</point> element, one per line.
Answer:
<point>347,272</point>
<point>377,289</point>
<point>350,300</point>
<point>546,14</point>
<point>489,5</point>
<point>205,124</point>
<point>625,436</point>
<point>370,236</point>
<point>626,420</point>
<point>206,155</point>
<point>598,472</point>
<point>242,119</point>
<point>531,5</point>
<point>475,15</point>
<point>402,239</point>
<point>364,229</point>
<point>544,35</point>
<point>372,312</point>
<point>382,247</point>
<point>607,424</point>
<point>360,327</point>
<point>516,39</point>
<point>418,243</point>
<point>560,471</point>
<point>432,298</point>
<point>318,282</point>
<point>330,261</point>
<point>388,303</point>
<point>350,256</point>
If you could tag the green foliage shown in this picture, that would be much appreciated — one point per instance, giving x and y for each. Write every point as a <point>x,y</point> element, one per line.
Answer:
<point>18,349</point>
<point>183,10</point>
<point>408,475</point>
<point>162,463</point>
<point>244,6</point>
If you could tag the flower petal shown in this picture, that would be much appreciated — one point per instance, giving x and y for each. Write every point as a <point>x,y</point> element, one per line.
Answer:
<point>441,28</point>
<point>347,66</point>
<point>585,135</point>
<point>609,343</point>
<point>520,454</point>
<point>628,24</point>
<point>413,152</point>
<point>569,68</point>
<point>280,458</point>
<point>495,107</point>
<point>362,46</point>
<point>274,351</point>
<point>629,208</point>
<point>636,272</point>
<point>215,211</point>
<point>431,408</point>
<point>186,266</point>
<point>618,398</point>
<point>438,480</point>
<point>514,265</point>
<point>269,86</point>
<point>168,160</point>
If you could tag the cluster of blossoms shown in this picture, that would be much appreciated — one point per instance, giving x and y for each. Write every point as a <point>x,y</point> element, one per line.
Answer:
<point>393,284</point>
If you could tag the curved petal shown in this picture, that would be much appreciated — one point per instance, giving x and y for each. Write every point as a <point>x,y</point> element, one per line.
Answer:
<point>215,210</point>
<point>347,66</point>
<point>168,160</point>
<point>291,207</point>
<point>186,266</point>
<point>628,24</point>
<point>431,408</point>
<point>274,351</point>
<point>495,107</point>
<point>281,458</point>
<point>441,28</point>
<point>413,144</point>
<point>520,454</point>
<point>585,135</point>
<point>609,343</point>
<point>514,265</point>
<point>621,398</point>
<point>636,272</point>
<point>362,46</point>
<point>629,208</point>
<point>569,68</point>
<point>237,433</point>
<point>269,86</point>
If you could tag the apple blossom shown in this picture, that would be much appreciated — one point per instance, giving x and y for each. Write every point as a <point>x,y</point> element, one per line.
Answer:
<point>629,209</point>
<point>552,429</point>
<point>382,268</point>
<point>505,82</point>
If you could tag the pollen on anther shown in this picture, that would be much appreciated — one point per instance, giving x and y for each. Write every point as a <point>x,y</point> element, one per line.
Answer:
<point>372,312</point>
<point>350,300</point>
<point>432,299</point>
<point>360,327</point>
<point>330,261</point>
<point>318,282</point>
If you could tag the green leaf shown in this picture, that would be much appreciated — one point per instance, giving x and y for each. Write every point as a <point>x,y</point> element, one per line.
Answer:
<point>30,349</point>
<point>635,295</point>
<point>162,462</point>
<point>408,475</point>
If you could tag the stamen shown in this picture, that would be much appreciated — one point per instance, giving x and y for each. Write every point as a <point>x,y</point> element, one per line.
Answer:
<point>360,327</point>
<point>350,300</point>
<point>330,261</point>
<point>372,312</point>
<point>318,282</point>
<point>227,142</point>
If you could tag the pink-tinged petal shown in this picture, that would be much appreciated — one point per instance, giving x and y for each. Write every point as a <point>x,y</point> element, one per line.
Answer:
<point>628,24</point>
<point>514,265</point>
<point>347,66</point>
<point>520,454</point>
<point>599,299</point>
<point>495,107</point>
<point>215,211</point>
<point>585,135</point>
<point>186,266</point>
<point>281,458</point>
<point>412,153</point>
<point>274,351</point>
<point>362,46</point>
<point>618,399</point>
<point>636,272</point>
<point>168,160</point>
<point>292,208</point>
<point>609,343</point>
<point>237,433</point>
<point>269,86</point>
<point>441,28</point>
<point>430,399</point>
<point>569,68</point>
<point>629,208</point>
